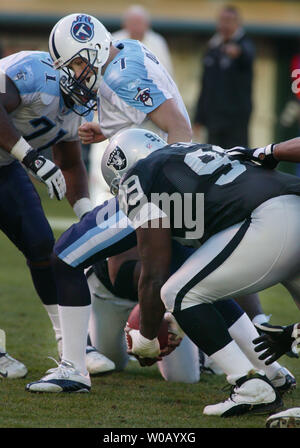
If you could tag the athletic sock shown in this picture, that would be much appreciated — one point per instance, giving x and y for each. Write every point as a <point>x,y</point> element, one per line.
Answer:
<point>205,326</point>
<point>74,326</point>
<point>243,332</point>
<point>53,314</point>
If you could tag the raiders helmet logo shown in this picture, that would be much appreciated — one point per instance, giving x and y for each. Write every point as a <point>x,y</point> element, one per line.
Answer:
<point>117,159</point>
<point>143,95</point>
<point>82,29</point>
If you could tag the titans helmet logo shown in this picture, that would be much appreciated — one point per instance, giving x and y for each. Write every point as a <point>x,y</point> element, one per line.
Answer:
<point>82,29</point>
<point>117,159</point>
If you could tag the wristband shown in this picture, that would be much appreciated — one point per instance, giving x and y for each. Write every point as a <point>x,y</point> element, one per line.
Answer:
<point>21,149</point>
<point>82,206</point>
<point>269,149</point>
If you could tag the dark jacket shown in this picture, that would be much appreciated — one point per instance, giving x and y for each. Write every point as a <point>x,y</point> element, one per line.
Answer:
<point>226,90</point>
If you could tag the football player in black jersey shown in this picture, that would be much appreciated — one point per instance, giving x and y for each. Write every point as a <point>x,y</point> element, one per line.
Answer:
<point>225,229</point>
<point>246,245</point>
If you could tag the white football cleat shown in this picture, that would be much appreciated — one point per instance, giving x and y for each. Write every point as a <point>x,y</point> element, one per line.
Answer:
<point>96,363</point>
<point>64,378</point>
<point>285,419</point>
<point>11,368</point>
<point>284,381</point>
<point>251,394</point>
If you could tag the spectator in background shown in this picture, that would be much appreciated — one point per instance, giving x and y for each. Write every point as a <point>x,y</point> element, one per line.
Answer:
<point>136,25</point>
<point>224,105</point>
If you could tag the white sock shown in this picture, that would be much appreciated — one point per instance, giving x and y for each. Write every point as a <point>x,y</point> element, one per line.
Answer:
<point>52,311</point>
<point>261,319</point>
<point>243,332</point>
<point>74,325</point>
<point>232,361</point>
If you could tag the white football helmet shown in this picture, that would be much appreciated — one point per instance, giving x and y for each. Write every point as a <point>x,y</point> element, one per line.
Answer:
<point>80,36</point>
<point>124,150</point>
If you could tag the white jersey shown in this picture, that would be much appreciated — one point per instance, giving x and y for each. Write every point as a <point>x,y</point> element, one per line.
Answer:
<point>134,84</point>
<point>156,43</point>
<point>42,117</point>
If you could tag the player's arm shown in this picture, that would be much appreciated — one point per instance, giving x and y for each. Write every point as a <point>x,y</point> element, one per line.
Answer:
<point>288,151</point>
<point>154,247</point>
<point>269,156</point>
<point>67,155</point>
<point>12,141</point>
<point>90,132</point>
<point>9,101</point>
<point>168,117</point>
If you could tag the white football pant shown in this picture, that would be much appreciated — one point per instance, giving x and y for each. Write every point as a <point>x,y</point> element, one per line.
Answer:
<point>245,258</point>
<point>106,329</point>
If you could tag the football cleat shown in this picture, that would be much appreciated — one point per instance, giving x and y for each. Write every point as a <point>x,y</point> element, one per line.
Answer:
<point>253,393</point>
<point>284,381</point>
<point>96,363</point>
<point>64,378</point>
<point>10,367</point>
<point>285,419</point>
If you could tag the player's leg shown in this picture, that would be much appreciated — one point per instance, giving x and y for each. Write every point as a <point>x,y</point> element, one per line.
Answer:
<point>242,330</point>
<point>108,318</point>
<point>76,250</point>
<point>9,367</point>
<point>23,221</point>
<point>251,304</point>
<point>207,276</point>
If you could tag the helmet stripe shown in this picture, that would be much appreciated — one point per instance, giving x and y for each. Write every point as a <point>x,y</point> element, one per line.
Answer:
<point>57,55</point>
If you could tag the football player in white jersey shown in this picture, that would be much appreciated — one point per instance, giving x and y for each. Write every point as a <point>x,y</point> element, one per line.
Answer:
<point>35,115</point>
<point>131,86</point>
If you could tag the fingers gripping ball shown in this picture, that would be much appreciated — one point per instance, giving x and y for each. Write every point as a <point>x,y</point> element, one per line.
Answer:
<point>134,324</point>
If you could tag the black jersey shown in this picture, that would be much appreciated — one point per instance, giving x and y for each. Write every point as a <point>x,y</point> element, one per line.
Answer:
<point>231,189</point>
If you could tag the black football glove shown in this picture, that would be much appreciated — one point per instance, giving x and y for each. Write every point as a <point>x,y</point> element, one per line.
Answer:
<point>276,341</point>
<point>47,172</point>
<point>263,156</point>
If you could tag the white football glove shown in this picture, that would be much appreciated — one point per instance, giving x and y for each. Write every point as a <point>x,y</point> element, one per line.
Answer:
<point>47,172</point>
<point>141,346</point>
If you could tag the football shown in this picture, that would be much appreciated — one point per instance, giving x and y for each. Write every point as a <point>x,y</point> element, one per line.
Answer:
<point>134,323</point>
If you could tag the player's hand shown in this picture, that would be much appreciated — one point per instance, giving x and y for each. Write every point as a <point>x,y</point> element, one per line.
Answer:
<point>90,133</point>
<point>175,335</point>
<point>47,172</point>
<point>173,342</point>
<point>276,340</point>
<point>263,156</point>
<point>145,350</point>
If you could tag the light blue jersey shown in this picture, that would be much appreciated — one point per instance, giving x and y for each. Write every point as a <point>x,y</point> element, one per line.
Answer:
<point>42,117</point>
<point>134,85</point>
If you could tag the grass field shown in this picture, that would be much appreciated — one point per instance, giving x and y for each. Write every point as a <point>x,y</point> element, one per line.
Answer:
<point>135,398</point>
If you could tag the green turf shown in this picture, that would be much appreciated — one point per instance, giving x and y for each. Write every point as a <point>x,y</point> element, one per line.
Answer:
<point>136,398</point>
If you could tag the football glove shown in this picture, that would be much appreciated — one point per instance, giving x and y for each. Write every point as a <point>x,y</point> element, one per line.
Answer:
<point>263,156</point>
<point>276,340</point>
<point>141,346</point>
<point>47,172</point>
